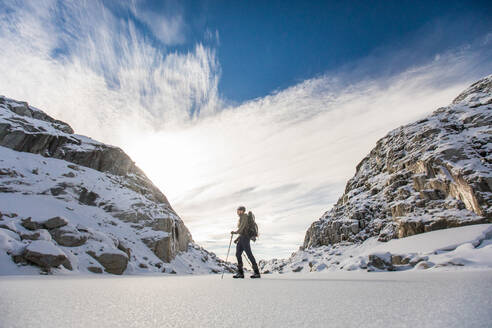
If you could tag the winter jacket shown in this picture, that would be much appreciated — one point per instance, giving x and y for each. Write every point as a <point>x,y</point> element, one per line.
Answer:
<point>242,226</point>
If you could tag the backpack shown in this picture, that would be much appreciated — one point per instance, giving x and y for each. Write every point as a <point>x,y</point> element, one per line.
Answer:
<point>252,227</point>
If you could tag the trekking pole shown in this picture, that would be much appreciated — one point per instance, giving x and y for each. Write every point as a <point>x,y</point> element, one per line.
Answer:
<point>230,242</point>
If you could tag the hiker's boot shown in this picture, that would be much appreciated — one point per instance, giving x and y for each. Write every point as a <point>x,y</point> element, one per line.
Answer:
<point>256,272</point>
<point>239,274</point>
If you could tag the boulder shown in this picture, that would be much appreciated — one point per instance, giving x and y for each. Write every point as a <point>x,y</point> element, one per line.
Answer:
<point>381,261</point>
<point>29,224</point>
<point>41,234</point>
<point>113,262</point>
<point>55,222</point>
<point>88,197</point>
<point>52,223</point>
<point>69,236</point>
<point>46,255</point>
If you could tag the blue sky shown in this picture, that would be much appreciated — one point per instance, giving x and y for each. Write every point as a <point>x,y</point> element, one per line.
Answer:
<point>265,104</point>
<point>268,45</point>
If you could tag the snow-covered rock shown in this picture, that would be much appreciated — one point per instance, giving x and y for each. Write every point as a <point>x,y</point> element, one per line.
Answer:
<point>86,199</point>
<point>69,235</point>
<point>39,223</point>
<point>46,255</point>
<point>433,174</point>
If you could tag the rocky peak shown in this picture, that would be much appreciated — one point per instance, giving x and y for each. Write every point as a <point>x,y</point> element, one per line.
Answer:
<point>433,174</point>
<point>478,94</point>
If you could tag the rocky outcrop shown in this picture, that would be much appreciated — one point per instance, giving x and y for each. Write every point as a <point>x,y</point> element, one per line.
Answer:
<point>102,212</point>
<point>432,174</point>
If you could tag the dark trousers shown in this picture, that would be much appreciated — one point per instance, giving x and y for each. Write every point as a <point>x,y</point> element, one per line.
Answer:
<point>243,245</point>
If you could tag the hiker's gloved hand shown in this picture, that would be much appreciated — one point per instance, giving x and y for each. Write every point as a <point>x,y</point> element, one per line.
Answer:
<point>233,232</point>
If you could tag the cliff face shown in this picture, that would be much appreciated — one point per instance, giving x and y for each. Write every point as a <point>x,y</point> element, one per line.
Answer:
<point>109,216</point>
<point>432,174</point>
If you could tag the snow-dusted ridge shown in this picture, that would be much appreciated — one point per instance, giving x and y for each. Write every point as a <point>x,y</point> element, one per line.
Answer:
<point>462,247</point>
<point>70,204</point>
<point>429,175</point>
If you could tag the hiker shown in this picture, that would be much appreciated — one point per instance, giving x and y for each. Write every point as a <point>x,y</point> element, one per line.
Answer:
<point>247,230</point>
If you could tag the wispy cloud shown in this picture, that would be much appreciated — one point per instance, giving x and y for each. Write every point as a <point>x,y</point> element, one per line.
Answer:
<point>286,156</point>
<point>94,70</point>
<point>167,24</point>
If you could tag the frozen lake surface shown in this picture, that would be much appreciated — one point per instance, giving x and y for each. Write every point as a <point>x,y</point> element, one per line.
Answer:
<point>339,299</point>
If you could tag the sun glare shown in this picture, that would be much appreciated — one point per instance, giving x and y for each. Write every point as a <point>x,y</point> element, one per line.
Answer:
<point>173,160</point>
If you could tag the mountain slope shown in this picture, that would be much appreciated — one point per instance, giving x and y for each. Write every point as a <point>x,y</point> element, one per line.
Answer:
<point>70,203</point>
<point>429,175</point>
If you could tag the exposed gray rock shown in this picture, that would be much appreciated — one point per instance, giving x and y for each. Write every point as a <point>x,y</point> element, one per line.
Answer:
<point>31,225</point>
<point>51,223</point>
<point>114,263</point>
<point>88,197</point>
<point>58,190</point>
<point>176,241</point>
<point>94,269</point>
<point>55,222</point>
<point>412,227</point>
<point>32,235</point>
